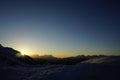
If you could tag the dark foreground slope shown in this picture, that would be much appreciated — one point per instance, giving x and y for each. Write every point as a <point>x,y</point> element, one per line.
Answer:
<point>102,68</point>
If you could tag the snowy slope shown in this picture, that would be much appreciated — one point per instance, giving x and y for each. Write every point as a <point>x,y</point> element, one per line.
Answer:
<point>29,72</point>
<point>103,60</point>
<point>104,68</point>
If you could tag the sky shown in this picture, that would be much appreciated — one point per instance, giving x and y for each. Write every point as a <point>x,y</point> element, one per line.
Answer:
<point>61,27</point>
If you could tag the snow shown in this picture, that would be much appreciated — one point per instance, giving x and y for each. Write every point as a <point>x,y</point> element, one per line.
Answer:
<point>104,68</point>
<point>102,60</point>
<point>28,73</point>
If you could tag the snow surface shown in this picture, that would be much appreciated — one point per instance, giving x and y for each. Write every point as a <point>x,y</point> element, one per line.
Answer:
<point>104,68</point>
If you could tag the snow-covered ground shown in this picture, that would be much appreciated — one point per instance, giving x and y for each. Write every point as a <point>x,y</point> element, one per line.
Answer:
<point>104,68</point>
<point>28,72</point>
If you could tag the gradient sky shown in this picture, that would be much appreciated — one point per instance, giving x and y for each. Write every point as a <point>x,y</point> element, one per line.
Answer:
<point>61,27</point>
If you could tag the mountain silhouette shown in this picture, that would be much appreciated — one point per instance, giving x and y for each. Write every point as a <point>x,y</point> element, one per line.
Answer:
<point>10,56</point>
<point>47,57</point>
<point>8,51</point>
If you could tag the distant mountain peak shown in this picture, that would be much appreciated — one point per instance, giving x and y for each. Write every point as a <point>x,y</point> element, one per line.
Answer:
<point>47,57</point>
<point>1,46</point>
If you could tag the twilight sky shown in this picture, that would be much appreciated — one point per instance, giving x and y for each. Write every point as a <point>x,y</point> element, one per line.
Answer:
<point>61,27</point>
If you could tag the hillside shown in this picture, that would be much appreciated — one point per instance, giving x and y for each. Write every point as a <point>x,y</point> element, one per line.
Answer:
<point>104,68</point>
<point>14,67</point>
<point>10,56</point>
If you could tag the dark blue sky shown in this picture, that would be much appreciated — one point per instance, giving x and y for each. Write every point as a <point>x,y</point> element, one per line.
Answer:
<point>60,27</point>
